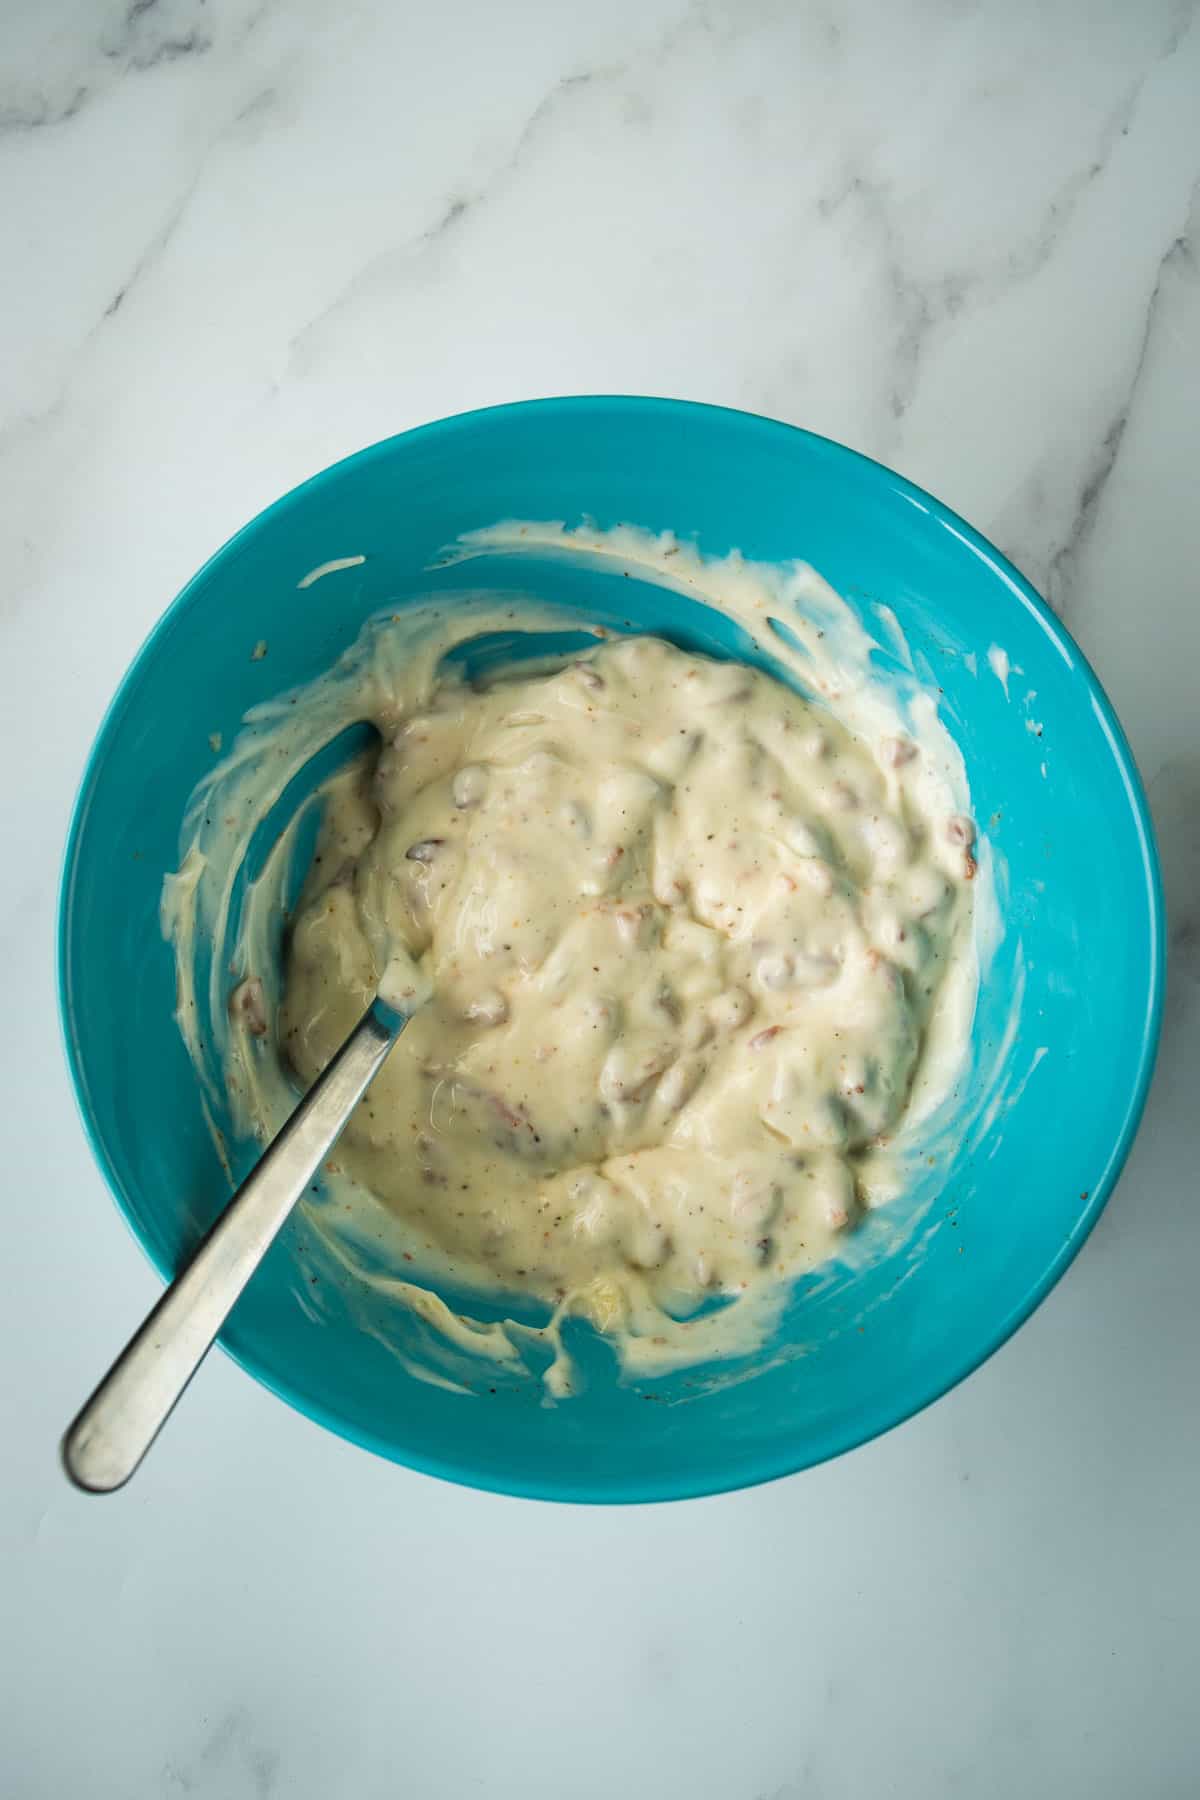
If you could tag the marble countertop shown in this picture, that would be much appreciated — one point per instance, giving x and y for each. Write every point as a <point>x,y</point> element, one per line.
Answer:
<point>244,237</point>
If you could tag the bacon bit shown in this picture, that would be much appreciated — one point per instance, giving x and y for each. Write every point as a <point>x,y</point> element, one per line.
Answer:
<point>247,1003</point>
<point>764,1037</point>
<point>960,830</point>
<point>896,751</point>
<point>666,1002</point>
<point>629,921</point>
<point>775,971</point>
<point>489,1008</point>
<point>818,875</point>
<point>468,786</point>
<point>970,867</point>
<point>514,1117</point>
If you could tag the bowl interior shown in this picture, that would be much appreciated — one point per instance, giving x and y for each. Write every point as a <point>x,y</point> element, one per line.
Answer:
<point>1068,1011</point>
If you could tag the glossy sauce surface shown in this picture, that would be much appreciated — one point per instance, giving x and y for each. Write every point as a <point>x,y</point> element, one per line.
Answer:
<point>687,937</point>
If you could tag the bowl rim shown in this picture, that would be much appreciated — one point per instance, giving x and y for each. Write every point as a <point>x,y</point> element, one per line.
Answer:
<point>783,1456</point>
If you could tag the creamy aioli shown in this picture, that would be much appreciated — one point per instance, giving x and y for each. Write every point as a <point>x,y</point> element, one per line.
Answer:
<point>700,953</point>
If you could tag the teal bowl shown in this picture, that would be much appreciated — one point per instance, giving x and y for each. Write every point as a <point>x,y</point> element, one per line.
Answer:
<point>1068,1012</point>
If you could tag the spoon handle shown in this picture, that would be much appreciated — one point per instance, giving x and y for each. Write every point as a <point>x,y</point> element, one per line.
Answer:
<point>118,1424</point>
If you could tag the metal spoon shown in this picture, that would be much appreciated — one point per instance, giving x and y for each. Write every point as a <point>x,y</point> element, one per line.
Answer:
<point>118,1424</point>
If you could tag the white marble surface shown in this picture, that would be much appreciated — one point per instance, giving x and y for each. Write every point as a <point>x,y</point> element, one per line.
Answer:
<point>243,237</point>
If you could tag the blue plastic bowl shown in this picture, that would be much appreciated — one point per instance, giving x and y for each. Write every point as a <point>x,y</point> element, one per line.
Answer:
<point>1053,786</point>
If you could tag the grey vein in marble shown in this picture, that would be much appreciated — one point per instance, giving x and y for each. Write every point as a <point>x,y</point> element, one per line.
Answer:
<point>385,266</point>
<point>1060,576</point>
<point>921,304</point>
<point>146,34</point>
